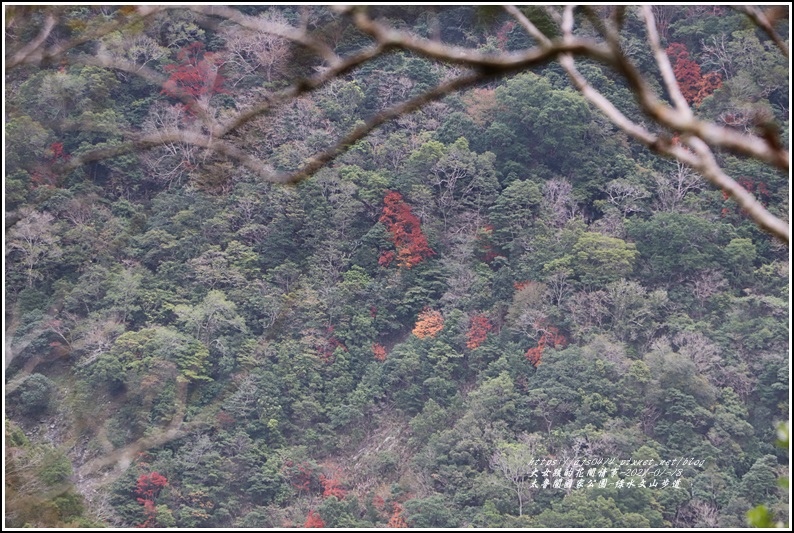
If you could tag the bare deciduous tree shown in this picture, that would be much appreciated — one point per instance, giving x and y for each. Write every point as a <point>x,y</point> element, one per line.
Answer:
<point>707,284</point>
<point>716,55</point>
<point>672,188</point>
<point>34,239</point>
<point>559,201</point>
<point>514,463</point>
<point>249,51</point>
<point>625,195</point>
<point>705,354</point>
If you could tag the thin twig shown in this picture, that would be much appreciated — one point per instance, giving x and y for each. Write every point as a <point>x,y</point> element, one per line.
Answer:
<point>24,54</point>
<point>530,28</point>
<point>708,167</point>
<point>39,54</point>
<point>663,62</point>
<point>601,102</point>
<point>760,19</point>
<point>284,31</point>
<point>699,135</point>
<point>301,87</point>
<point>712,134</point>
<point>322,159</point>
<point>701,159</point>
<point>506,61</point>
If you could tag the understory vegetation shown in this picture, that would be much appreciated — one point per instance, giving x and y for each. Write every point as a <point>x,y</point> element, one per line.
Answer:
<point>499,277</point>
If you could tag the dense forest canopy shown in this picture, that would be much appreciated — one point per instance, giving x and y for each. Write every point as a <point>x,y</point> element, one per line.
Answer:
<point>398,266</point>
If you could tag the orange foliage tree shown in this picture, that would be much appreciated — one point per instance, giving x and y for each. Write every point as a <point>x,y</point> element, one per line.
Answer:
<point>428,324</point>
<point>380,352</point>
<point>480,104</point>
<point>485,244</point>
<point>406,233</point>
<point>195,74</point>
<point>396,520</point>
<point>521,285</point>
<point>550,337</point>
<point>478,331</point>
<point>709,83</point>
<point>332,487</point>
<point>314,520</point>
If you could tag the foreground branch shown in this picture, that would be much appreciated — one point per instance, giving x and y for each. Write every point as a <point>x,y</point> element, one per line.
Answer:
<point>701,158</point>
<point>700,137</point>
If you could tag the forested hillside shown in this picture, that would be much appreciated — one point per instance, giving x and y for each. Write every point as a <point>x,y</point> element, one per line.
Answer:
<point>448,325</point>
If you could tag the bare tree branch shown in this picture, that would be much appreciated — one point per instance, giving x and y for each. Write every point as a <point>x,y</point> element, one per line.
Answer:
<point>284,31</point>
<point>299,88</point>
<point>146,142</point>
<point>702,159</point>
<point>708,167</point>
<point>259,167</point>
<point>320,160</point>
<point>606,107</point>
<point>39,54</point>
<point>24,54</point>
<point>530,28</point>
<point>504,62</point>
<point>761,20</point>
<point>700,136</point>
<point>663,62</point>
<point>714,135</point>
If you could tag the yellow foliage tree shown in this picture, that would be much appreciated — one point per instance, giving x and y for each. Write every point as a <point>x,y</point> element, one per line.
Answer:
<point>397,520</point>
<point>428,324</point>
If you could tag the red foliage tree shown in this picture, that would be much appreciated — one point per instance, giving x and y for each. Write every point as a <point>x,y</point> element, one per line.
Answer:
<point>687,72</point>
<point>759,189</point>
<point>195,75</point>
<point>149,486</point>
<point>326,346</point>
<point>550,337</point>
<point>694,86</point>
<point>378,502</point>
<point>380,352</point>
<point>478,331</point>
<point>485,244</point>
<point>224,420</point>
<point>314,520</point>
<point>503,34</point>
<point>147,489</point>
<point>58,153</point>
<point>304,477</point>
<point>406,233</point>
<point>332,487</point>
<point>45,174</point>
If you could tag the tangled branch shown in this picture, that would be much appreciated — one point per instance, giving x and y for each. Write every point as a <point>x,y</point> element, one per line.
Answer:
<point>699,138</point>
